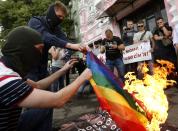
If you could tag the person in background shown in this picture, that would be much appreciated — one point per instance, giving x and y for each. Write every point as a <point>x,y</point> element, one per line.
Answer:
<point>114,46</point>
<point>57,64</point>
<point>164,48</point>
<point>20,55</point>
<point>128,34</point>
<point>102,55</point>
<point>49,65</point>
<point>81,66</point>
<point>49,27</point>
<point>91,46</point>
<point>144,36</point>
<point>124,29</point>
<point>96,47</point>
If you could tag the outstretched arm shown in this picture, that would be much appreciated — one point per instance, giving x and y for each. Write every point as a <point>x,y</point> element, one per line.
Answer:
<point>46,82</point>
<point>50,38</point>
<point>45,99</point>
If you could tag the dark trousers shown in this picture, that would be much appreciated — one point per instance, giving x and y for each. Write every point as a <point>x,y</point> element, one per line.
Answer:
<point>67,78</point>
<point>35,119</point>
<point>131,68</point>
<point>58,84</point>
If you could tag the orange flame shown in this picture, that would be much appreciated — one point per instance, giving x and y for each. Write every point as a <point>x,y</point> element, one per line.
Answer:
<point>149,92</point>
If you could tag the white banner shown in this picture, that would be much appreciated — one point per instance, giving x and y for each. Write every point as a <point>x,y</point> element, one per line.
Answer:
<point>137,52</point>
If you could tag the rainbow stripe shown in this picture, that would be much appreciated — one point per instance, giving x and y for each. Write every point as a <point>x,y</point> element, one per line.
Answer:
<point>113,98</point>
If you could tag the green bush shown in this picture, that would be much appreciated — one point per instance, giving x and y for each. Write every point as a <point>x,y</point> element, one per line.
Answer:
<point>18,12</point>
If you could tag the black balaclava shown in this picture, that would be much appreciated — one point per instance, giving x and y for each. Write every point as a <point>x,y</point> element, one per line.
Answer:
<point>52,18</point>
<point>19,50</point>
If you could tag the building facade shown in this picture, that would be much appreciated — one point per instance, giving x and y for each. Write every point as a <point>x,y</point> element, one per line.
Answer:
<point>92,26</point>
<point>172,11</point>
<point>146,10</point>
<point>74,15</point>
<point>95,16</point>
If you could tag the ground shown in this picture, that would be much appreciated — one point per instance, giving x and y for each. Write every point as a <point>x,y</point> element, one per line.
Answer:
<point>172,95</point>
<point>76,107</point>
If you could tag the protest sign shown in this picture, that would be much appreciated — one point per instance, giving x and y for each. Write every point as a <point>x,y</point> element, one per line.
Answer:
<point>137,52</point>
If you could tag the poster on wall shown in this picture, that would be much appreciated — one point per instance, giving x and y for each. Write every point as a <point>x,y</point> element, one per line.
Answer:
<point>137,52</point>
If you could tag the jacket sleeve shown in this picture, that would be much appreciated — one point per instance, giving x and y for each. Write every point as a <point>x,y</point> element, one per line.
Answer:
<point>47,37</point>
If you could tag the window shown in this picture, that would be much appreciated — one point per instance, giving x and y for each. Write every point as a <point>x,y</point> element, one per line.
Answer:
<point>151,23</point>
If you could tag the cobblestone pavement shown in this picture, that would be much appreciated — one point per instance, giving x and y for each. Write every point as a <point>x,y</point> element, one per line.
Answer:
<point>172,95</point>
<point>74,109</point>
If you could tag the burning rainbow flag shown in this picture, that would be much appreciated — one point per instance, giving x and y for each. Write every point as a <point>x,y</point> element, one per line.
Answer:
<point>113,98</point>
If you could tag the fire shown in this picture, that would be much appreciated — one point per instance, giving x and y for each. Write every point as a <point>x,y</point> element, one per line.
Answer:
<point>150,91</point>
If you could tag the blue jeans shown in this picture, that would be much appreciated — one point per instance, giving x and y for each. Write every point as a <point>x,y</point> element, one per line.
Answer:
<point>58,84</point>
<point>118,63</point>
<point>35,119</point>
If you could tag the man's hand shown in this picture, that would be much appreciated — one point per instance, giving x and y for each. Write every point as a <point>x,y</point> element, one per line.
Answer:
<point>114,46</point>
<point>121,47</point>
<point>87,74</point>
<point>151,50</point>
<point>78,47</point>
<point>51,49</point>
<point>69,64</point>
<point>164,28</point>
<point>161,37</point>
<point>32,83</point>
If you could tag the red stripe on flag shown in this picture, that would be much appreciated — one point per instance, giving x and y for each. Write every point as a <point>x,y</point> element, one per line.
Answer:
<point>124,117</point>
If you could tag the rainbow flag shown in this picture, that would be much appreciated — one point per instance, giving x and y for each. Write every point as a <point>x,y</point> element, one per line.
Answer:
<point>111,96</point>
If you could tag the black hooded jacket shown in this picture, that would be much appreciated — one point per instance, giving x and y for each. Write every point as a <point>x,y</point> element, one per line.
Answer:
<point>49,27</point>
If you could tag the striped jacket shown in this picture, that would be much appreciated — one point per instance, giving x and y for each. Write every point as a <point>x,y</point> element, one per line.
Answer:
<point>12,90</point>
